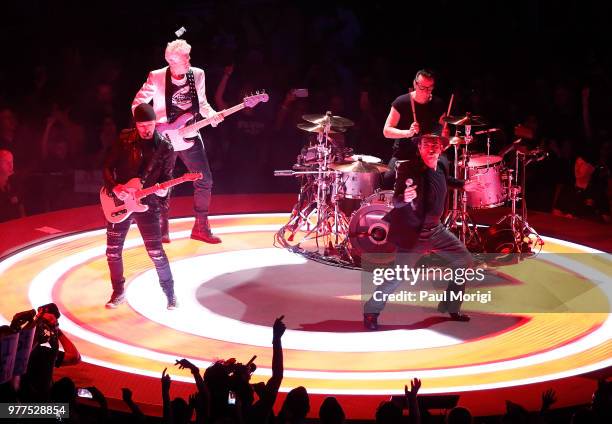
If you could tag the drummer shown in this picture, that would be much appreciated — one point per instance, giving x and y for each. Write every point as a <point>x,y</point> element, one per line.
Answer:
<point>401,125</point>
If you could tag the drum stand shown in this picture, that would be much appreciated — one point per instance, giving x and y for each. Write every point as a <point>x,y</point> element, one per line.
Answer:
<point>457,219</point>
<point>525,237</point>
<point>330,223</point>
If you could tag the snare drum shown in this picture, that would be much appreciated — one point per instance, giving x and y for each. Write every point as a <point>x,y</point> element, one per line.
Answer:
<point>489,170</point>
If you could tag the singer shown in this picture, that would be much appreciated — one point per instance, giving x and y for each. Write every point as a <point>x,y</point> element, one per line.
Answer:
<point>415,227</point>
<point>412,115</point>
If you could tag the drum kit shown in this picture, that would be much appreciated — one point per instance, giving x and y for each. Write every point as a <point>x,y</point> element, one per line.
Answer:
<point>338,216</point>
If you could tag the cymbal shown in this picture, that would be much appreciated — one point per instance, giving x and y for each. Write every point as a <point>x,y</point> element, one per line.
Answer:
<point>467,119</point>
<point>359,166</point>
<point>335,121</point>
<point>319,128</point>
<point>365,158</point>
<point>460,140</point>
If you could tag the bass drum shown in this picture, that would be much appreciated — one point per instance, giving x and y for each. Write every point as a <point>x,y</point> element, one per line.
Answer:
<point>368,232</point>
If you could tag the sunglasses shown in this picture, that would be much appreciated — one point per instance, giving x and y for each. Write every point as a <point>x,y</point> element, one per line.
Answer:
<point>424,87</point>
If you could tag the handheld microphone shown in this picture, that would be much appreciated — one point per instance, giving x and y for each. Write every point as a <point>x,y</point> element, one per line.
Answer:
<point>409,183</point>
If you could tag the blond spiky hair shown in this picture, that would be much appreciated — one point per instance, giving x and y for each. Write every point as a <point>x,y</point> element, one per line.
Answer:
<point>180,47</point>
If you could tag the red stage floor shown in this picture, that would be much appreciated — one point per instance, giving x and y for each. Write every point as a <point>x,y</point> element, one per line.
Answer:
<point>229,295</point>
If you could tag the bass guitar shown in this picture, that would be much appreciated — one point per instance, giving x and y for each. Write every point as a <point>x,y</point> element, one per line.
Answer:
<point>180,128</point>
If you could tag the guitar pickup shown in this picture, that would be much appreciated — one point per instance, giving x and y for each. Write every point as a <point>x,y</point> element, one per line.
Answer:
<point>119,212</point>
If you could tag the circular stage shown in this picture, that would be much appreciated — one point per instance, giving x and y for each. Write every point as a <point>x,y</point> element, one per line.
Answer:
<point>230,294</point>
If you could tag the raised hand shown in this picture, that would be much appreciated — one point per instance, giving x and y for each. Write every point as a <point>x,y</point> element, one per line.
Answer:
<point>228,70</point>
<point>165,380</point>
<point>548,398</point>
<point>185,363</point>
<point>278,329</point>
<point>415,385</point>
<point>96,394</point>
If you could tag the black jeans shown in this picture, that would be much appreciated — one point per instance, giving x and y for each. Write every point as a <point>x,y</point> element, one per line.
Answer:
<point>195,160</point>
<point>148,225</point>
<point>437,240</point>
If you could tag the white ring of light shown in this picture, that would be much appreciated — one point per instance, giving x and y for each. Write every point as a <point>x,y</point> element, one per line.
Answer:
<point>40,292</point>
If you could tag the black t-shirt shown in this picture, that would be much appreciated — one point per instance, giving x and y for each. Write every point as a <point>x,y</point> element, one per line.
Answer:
<point>180,96</point>
<point>427,115</point>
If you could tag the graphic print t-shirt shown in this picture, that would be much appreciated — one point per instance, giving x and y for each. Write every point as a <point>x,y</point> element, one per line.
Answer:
<point>181,99</point>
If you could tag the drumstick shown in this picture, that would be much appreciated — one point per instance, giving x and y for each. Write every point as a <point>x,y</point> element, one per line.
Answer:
<point>412,104</point>
<point>450,105</point>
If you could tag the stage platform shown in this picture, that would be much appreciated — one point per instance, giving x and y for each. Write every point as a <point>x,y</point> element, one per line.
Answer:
<point>230,294</point>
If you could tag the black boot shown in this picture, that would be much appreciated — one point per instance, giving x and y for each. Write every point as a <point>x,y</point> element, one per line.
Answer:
<point>370,321</point>
<point>201,231</point>
<point>458,316</point>
<point>118,296</point>
<point>168,289</point>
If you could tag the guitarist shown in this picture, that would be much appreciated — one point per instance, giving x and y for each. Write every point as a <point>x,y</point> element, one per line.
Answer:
<point>175,90</point>
<point>141,153</point>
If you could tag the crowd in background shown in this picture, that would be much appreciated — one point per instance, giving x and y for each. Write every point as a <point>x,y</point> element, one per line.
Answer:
<point>224,392</point>
<point>66,92</point>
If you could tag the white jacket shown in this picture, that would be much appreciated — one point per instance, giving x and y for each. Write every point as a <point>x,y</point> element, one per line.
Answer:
<point>154,89</point>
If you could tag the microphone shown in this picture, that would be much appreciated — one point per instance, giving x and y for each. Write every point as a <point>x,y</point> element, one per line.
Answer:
<point>409,183</point>
<point>489,131</point>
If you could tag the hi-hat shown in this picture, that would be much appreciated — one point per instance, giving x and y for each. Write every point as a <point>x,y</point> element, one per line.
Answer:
<point>319,128</point>
<point>467,119</point>
<point>334,121</point>
<point>359,166</point>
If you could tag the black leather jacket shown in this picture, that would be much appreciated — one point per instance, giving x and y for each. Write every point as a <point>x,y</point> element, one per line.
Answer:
<point>132,157</point>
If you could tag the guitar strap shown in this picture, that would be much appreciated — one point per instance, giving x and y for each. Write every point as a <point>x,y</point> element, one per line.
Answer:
<point>171,112</point>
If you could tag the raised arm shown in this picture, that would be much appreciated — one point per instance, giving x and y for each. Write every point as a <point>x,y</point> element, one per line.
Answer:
<point>71,353</point>
<point>126,394</point>
<point>165,386</point>
<point>220,92</point>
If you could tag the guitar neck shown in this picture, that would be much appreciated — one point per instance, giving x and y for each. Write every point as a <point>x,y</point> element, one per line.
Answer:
<point>204,122</point>
<point>167,184</point>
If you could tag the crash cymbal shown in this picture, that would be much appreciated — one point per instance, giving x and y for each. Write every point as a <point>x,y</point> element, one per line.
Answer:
<point>315,128</point>
<point>359,166</point>
<point>335,121</point>
<point>467,119</point>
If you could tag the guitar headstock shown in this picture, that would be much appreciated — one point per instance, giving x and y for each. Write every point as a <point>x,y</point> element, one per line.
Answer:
<point>192,176</point>
<point>254,99</point>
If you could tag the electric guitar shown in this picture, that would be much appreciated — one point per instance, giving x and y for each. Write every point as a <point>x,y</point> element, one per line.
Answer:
<point>116,211</point>
<point>177,130</point>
